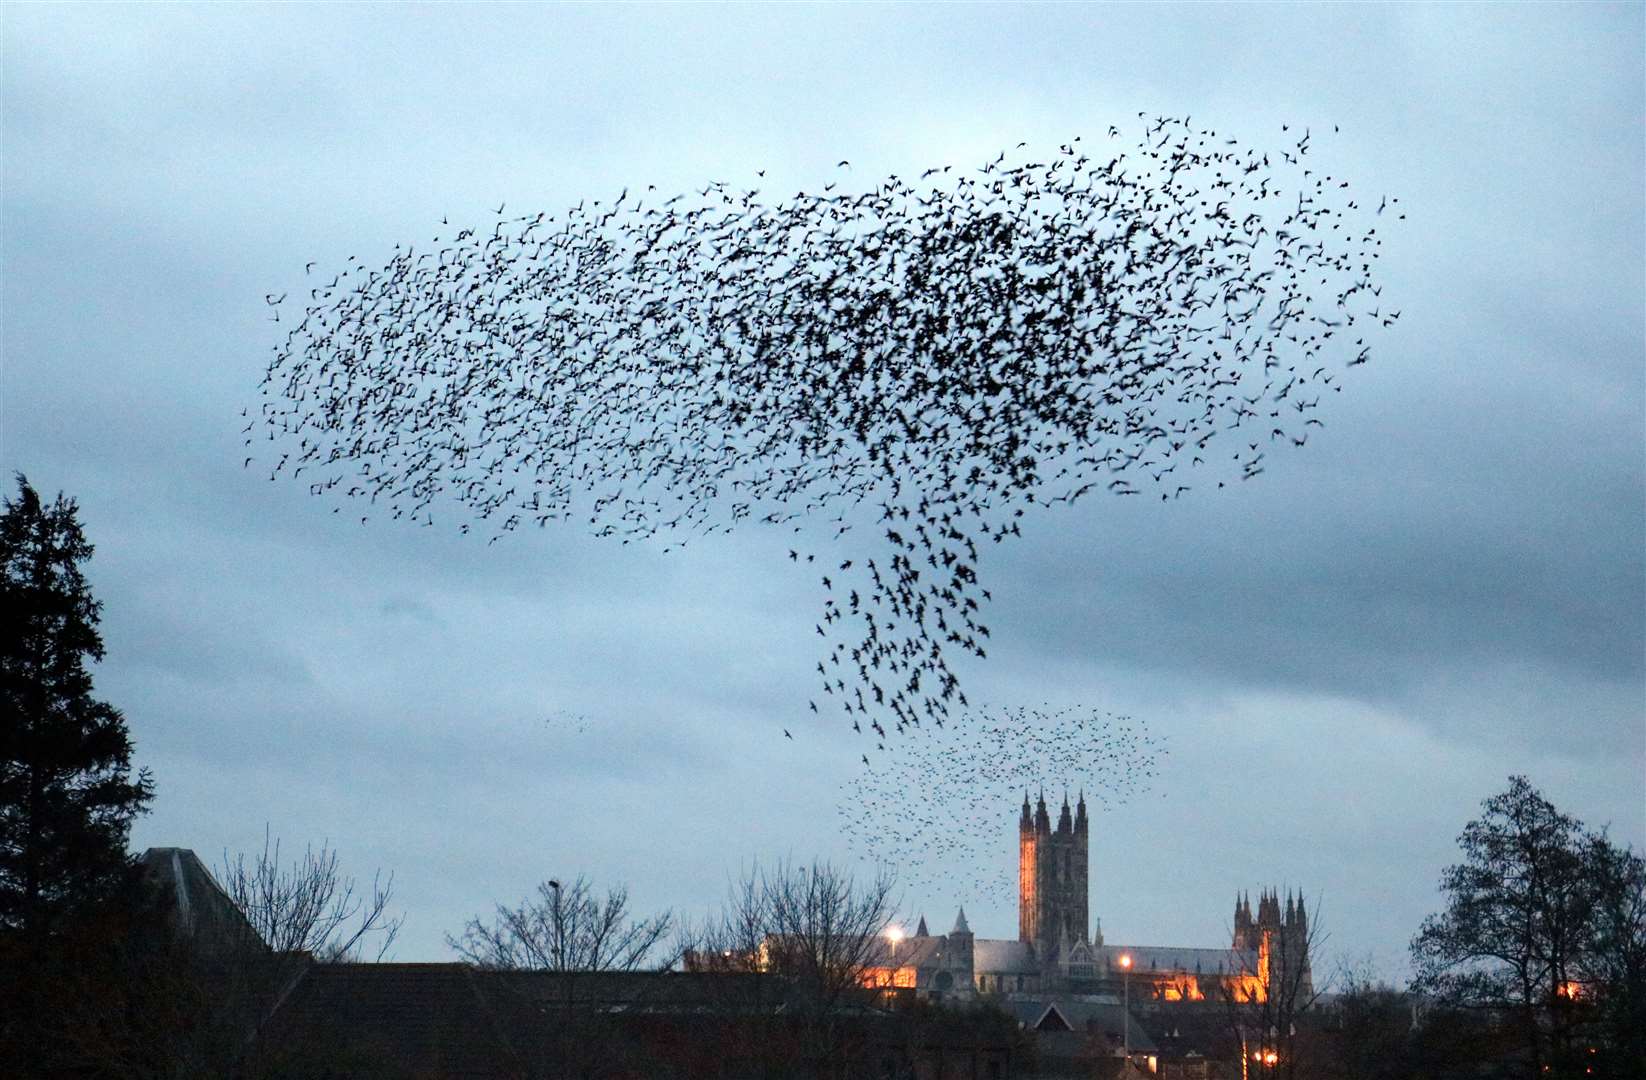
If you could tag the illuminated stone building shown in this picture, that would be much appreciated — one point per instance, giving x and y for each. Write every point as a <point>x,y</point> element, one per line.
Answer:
<point>1055,954</point>
<point>1051,878</point>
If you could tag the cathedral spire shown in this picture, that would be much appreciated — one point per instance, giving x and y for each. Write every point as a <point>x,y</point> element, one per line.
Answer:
<point>921,931</point>
<point>960,926</point>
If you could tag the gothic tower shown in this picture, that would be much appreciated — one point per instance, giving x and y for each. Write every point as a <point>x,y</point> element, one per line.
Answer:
<point>961,950</point>
<point>1283,933</point>
<point>1294,945</point>
<point>1245,934</point>
<point>1051,883</point>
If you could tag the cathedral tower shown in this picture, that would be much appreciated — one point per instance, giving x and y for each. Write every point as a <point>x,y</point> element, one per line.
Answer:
<point>1279,933</point>
<point>1051,877</point>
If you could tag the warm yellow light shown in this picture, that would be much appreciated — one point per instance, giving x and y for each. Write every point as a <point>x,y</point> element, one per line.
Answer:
<point>1125,960</point>
<point>1270,1058</point>
<point>894,934</point>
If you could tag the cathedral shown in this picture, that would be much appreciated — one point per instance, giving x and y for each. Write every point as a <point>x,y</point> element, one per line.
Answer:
<point>1058,950</point>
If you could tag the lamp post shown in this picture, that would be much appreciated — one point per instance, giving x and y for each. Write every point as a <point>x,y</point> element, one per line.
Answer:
<point>894,934</point>
<point>558,920</point>
<point>1126,1018</point>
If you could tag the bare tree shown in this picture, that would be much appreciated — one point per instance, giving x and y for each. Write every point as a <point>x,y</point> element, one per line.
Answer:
<point>726,956</point>
<point>579,939</point>
<point>310,906</point>
<point>566,928</point>
<point>731,942</point>
<point>1265,1010</point>
<point>826,937</point>
<point>805,938</point>
<point>826,928</point>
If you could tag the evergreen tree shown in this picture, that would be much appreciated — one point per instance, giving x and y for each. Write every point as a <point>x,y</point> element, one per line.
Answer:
<point>67,794</point>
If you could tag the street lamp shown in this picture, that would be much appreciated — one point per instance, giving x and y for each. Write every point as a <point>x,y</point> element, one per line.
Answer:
<point>893,934</point>
<point>1126,1019</point>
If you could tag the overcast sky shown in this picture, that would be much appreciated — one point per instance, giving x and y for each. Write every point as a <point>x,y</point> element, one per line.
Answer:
<point>1344,656</point>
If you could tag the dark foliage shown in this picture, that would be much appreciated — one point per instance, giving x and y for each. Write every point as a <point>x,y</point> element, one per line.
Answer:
<point>67,793</point>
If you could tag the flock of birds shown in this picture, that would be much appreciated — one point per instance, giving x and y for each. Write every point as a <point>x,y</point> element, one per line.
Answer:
<point>943,807</point>
<point>567,722</point>
<point>927,360</point>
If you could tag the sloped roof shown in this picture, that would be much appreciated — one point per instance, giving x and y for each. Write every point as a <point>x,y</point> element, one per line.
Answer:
<point>915,952</point>
<point>432,1018</point>
<point>1147,959</point>
<point>1105,1018</point>
<point>881,951</point>
<point>1080,1016</point>
<point>1004,957</point>
<point>198,906</point>
<point>621,991</point>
